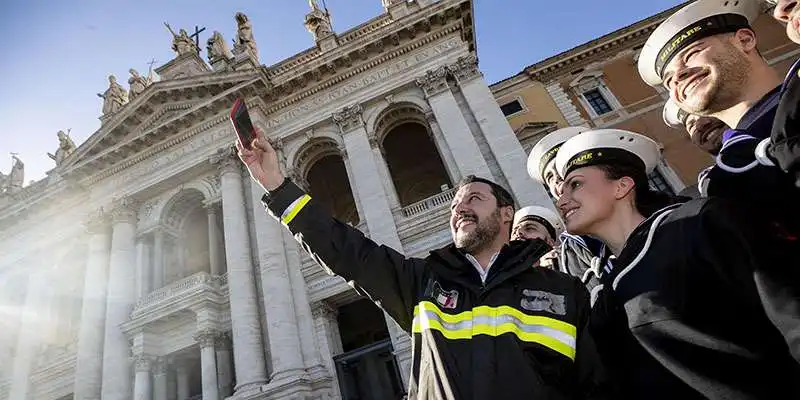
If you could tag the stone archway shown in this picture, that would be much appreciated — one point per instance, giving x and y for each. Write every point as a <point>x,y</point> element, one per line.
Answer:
<point>321,168</point>
<point>185,250</point>
<point>412,156</point>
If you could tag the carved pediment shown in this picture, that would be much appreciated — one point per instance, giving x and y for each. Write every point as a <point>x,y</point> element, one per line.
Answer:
<point>166,108</point>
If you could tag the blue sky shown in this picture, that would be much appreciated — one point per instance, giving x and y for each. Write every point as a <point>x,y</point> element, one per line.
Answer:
<point>57,54</point>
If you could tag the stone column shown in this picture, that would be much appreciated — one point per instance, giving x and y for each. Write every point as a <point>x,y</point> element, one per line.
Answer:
<point>330,341</point>
<point>498,133</point>
<point>444,151</point>
<point>158,259</point>
<point>29,336</point>
<point>224,366</point>
<point>305,322</point>
<point>213,240</point>
<point>89,357</point>
<point>368,187</point>
<point>454,126</point>
<point>249,357</point>
<point>182,376</point>
<point>143,269</point>
<point>284,336</point>
<point>208,364</point>
<point>383,171</point>
<point>160,383</point>
<point>120,299</point>
<point>141,386</point>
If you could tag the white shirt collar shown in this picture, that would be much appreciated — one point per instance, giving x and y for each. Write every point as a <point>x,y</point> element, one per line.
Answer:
<point>483,273</point>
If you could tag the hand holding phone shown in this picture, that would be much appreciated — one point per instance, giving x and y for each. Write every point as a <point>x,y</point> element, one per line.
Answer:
<point>242,123</point>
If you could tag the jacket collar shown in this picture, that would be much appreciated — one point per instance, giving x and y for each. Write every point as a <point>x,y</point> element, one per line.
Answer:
<point>757,121</point>
<point>514,257</point>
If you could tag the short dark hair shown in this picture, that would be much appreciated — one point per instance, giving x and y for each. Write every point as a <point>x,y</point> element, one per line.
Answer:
<point>500,193</point>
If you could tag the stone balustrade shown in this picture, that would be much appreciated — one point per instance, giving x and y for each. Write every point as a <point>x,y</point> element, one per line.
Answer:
<point>431,203</point>
<point>178,288</point>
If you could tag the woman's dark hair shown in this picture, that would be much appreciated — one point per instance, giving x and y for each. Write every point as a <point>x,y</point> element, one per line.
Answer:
<point>646,200</point>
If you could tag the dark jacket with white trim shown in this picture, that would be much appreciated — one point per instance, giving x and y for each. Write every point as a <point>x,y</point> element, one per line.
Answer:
<point>703,302</point>
<point>520,335</point>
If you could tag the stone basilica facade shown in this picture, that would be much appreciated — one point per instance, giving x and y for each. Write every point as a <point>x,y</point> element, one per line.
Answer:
<point>145,267</point>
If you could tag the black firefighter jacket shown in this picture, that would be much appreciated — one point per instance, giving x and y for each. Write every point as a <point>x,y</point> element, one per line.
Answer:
<point>522,335</point>
<point>703,302</point>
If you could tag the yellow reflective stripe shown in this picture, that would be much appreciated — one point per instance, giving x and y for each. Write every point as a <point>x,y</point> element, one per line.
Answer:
<point>494,321</point>
<point>294,208</point>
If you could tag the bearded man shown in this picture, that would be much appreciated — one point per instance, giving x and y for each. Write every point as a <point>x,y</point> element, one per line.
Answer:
<point>485,323</point>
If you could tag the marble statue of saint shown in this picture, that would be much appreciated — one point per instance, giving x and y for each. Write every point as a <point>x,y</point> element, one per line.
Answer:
<point>114,97</point>
<point>16,178</point>
<point>318,22</point>
<point>182,43</point>
<point>137,84</point>
<point>216,48</point>
<point>244,36</point>
<point>65,147</point>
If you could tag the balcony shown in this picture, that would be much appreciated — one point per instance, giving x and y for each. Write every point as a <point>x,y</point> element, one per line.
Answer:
<point>431,203</point>
<point>181,294</point>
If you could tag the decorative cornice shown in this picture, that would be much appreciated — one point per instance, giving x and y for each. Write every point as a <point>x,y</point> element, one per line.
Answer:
<point>434,81</point>
<point>349,118</point>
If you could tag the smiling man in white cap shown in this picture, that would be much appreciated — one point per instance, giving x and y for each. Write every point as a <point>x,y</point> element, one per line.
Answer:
<point>700,300</point>
<point>535,222</point>
<point>706,56</point>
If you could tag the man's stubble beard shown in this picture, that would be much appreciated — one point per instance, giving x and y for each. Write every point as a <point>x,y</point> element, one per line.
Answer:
<point>732,70</point>
<point>484,234</point>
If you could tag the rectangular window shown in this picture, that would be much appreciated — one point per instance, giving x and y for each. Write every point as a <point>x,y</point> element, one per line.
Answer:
<point>511,108</point>
<point>596,100</point>
<point>657,182</point>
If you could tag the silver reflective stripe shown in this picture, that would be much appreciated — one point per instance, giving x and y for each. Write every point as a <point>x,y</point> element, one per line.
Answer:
<point>423,317</point>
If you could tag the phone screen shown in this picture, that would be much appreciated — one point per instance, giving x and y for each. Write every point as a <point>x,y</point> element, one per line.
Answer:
<point>242,123</point>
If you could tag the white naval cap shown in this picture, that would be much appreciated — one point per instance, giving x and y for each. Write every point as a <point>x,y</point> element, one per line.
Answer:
<point>546,148</point>
<point>698,20</point>
<point>607,146</point>
<point>673,115</point>
<point>542,215</point>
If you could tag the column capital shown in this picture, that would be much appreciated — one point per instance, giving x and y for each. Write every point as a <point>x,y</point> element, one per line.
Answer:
<point>159,365</point>
<point>323,309</point>
<point>434,81</point>
<point>206,338</point>
<point>124,209</point>
<point>226,160</point>
<point>465,69</point>
<point>373,141</point>
<point>142,362</point>
<point>223,341</point>
<point>97,221</point>
<point>349,118</point>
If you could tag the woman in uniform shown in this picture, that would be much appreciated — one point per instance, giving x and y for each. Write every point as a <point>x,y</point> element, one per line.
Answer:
<point>699,299</point>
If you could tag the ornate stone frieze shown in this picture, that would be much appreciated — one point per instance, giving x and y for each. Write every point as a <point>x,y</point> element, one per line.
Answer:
<point>349,118</point>
<point>465,68</point>
<point>434,81</point>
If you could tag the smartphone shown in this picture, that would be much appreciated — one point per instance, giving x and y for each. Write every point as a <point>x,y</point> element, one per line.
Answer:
<point>242,123</point>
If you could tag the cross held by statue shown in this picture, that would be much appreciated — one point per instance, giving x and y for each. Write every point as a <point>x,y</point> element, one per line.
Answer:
<point>196,36</point>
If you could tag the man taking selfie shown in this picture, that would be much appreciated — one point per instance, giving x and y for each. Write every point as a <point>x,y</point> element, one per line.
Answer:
<point>485,324</point>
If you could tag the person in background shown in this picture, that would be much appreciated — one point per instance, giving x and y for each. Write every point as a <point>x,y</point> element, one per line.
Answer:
<point>485,324</point>
<point>701,299</point>
<point>535,222</point>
